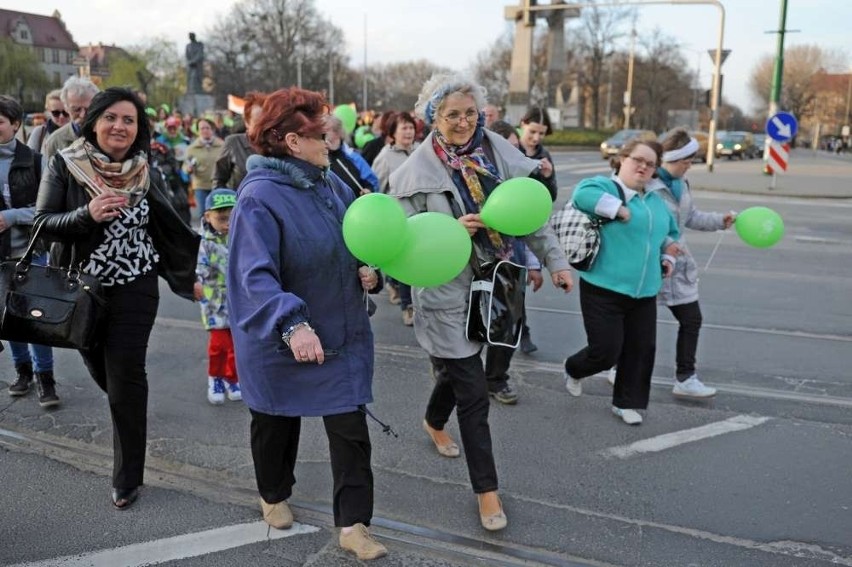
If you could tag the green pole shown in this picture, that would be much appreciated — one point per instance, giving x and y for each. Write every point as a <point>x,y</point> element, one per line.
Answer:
<point>777,76</point>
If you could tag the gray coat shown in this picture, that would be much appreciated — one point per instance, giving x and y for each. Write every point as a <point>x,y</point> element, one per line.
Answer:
<point>421,184</point>
<point>682,286</point>
<point>388,161</point>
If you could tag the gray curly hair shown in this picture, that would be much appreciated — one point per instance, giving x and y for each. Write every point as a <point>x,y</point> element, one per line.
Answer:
<point>439,87</point>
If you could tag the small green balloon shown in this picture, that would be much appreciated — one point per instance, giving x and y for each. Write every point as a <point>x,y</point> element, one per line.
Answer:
<point>517,207</point>
<point>436,250</point>
<point>760,227</point>
<point>374,228</point>
<point>347,116</point>
<point>363,135</point>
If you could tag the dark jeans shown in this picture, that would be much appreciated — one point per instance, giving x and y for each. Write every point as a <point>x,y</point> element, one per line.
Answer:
<point>117,364</point>
<point>689,319</point>
<point>460,384</point>
<point>497,362</point>
<point>404,295</point>
<point>622,330</point>
<point>275,447</point>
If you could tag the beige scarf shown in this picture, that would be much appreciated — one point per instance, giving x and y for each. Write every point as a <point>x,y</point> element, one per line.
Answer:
<point>96,173</point>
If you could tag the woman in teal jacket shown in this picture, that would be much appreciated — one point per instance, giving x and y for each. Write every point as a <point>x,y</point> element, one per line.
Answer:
<point>618,294</point>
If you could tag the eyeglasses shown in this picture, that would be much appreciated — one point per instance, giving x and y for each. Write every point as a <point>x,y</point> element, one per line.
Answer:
<point>58,113</point>
<point>647,163</point>
<point>321,138</point>
<point>454,117</point>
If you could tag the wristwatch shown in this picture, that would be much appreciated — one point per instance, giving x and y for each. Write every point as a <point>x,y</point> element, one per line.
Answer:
<point>289,331</point>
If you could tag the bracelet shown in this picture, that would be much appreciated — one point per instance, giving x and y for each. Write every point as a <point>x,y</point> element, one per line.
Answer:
<point>288,333</point>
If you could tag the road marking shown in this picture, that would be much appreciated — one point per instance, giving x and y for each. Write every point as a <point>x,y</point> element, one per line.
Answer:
<point>176,548</point>
<point>670,440</point>
<point>579,168</point>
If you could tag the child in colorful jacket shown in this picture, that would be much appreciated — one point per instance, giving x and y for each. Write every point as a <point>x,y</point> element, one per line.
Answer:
<point>212,272</point>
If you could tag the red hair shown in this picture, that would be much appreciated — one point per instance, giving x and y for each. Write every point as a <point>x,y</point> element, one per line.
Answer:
<point>284,111</point>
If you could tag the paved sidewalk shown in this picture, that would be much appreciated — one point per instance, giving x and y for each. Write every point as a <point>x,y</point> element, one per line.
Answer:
<point>809,174</point>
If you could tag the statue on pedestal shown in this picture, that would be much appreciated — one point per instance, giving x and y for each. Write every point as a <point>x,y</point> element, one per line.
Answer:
<point>194,65</point>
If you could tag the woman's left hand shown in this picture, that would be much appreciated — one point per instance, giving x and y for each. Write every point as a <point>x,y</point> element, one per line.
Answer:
<point>668,268</point>
<point>729,218</point>
<point>546,168</point>
<point>534,278</point>
<point>471,223</point>
<point>368,276</point>
<point>562,279</point>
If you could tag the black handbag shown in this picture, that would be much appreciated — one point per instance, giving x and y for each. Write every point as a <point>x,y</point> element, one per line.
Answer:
<point>45,305</point>
<point>579,234</point>
<point>495,311</point>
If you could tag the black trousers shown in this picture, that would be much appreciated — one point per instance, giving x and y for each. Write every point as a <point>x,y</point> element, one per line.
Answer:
<point>620,330</point>
<point>460,383</point>
<point>275,447</point>
<point>117,364</point>
<point>689,320</point>
<point>498,359</point>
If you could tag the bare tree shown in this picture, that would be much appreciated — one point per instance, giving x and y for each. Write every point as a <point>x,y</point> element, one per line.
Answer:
<point>799,89</point>
<point>269,44</point>
<point>598,31</point>
<point>395,86</point>
<point>661,81</point>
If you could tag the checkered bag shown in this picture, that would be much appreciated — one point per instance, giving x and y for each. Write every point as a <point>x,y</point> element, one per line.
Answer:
<point>579,234</point>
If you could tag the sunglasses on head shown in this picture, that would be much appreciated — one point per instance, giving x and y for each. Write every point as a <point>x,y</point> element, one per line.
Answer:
<point>58,113</point>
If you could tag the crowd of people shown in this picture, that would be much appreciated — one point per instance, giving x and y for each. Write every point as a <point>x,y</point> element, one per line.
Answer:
<point>281,295</point>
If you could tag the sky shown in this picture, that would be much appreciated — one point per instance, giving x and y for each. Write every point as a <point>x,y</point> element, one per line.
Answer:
<point>452,32</point>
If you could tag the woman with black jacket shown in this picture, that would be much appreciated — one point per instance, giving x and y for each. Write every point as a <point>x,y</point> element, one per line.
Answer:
<point>535,125</point>
<point>97,198</point>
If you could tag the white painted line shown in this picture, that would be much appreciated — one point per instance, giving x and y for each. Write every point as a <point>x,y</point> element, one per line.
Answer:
<point>669,440</point>
<point>176,548</point>
<point>583,168</point>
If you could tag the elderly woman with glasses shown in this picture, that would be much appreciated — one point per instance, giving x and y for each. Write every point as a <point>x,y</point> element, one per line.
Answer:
<point>453,172</point>
<point>301,331</point>
<point>618,293</point>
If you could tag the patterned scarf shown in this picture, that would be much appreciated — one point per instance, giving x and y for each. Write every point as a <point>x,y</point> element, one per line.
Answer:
<point>96,173</point>
<point>471,162</point>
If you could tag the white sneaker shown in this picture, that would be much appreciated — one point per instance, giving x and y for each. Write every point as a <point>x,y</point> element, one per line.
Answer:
<point>215,390</point>
<point>628,416</point>
<point>693,388</point>
<point>234,392</point>
<point>574,387</point>
<point>610,376</point>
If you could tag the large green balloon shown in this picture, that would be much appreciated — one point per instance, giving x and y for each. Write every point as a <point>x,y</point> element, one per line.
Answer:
<point>760,227</point>
<point>347,116</point>
<point>436,250</point>
<point>374,228</point>
<point>517,207</point>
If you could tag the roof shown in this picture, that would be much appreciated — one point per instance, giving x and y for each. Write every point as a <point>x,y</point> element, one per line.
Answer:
<point>101,54</point>
<point>47,31</point>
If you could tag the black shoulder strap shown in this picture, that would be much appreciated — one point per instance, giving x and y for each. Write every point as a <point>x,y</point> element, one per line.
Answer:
<point>620,192</point>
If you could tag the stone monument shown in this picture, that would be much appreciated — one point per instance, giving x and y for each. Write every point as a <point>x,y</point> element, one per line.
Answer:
<point>195,101</point>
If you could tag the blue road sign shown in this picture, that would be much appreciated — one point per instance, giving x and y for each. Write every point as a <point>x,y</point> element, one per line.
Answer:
<point>782,126</point>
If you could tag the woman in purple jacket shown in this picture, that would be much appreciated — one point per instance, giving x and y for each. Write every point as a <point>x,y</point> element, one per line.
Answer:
<point>301,331</point>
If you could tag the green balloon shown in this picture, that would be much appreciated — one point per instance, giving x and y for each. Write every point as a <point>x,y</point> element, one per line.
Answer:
<point>374,228</point>
<point>347,116</point>
<point>517,207</point>
<point>363,135</point>
<point>436,250</point>
<point>760,227</point>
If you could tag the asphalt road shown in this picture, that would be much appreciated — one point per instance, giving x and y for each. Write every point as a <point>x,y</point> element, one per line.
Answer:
<point>757,476</point>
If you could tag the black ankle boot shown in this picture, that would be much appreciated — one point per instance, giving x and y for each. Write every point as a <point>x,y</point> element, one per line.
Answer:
<point>21,386</point>
<point>46,389</point>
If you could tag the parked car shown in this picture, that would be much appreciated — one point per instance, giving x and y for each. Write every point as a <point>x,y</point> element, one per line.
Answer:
<point>611,146</point>
<point>700,137</point>
<point>736,144</point>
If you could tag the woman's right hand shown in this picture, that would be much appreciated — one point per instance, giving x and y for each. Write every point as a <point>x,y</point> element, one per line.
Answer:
<point>471,223</point>
<point>106,206</point>
<point>623,214</point>
<point>306,346</point>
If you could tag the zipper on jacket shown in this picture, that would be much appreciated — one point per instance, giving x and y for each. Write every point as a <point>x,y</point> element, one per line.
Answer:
<point>647,245</point>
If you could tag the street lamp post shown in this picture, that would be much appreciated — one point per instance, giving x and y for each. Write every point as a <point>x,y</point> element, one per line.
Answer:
<point>628,94</point>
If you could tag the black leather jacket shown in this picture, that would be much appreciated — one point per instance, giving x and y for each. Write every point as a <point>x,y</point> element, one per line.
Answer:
<point>62,206</point>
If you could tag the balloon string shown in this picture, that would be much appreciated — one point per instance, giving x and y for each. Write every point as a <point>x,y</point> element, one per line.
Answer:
<point>712,254</point>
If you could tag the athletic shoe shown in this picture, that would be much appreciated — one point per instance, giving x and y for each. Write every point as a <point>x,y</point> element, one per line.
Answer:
<point>234,393</point>
<point>574,387</point>
<point>693,388</point>
<point>215,391</point>
<point>507,395</point>
<point>628,416</point>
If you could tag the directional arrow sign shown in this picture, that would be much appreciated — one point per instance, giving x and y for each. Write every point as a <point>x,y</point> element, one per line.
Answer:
<point>782,126</point>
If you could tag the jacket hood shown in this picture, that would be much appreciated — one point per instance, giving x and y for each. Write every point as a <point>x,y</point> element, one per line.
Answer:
<point>296,172</point>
